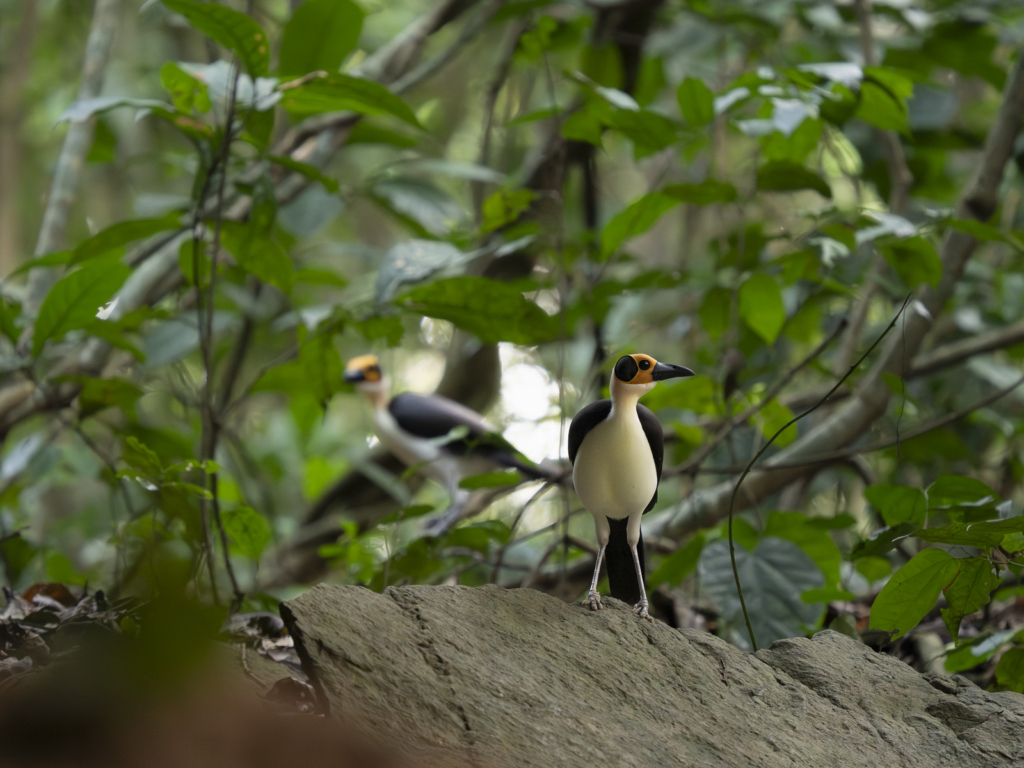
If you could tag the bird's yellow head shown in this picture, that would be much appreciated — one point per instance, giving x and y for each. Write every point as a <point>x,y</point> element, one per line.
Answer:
<point>363,368</point>
<point>637,374</point>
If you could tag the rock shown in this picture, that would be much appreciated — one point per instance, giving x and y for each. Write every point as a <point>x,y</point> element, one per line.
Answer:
<point>464,676</point>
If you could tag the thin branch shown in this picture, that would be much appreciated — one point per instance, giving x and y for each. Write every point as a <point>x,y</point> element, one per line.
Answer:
<point>73,153</point>
<point>767,445</point>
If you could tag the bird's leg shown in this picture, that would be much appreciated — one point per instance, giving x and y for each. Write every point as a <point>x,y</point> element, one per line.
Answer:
<point>594,600</point>
<point>640,609</point>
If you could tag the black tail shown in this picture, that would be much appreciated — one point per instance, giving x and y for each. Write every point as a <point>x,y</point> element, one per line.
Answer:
<point>622,581</point>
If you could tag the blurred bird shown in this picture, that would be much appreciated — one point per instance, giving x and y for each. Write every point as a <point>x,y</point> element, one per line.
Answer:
<point>616,447</point>
<point>440,437</point>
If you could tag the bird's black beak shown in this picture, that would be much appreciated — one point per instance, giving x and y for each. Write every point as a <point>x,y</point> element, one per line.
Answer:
<point>664,371</point>
<point>353,376</point>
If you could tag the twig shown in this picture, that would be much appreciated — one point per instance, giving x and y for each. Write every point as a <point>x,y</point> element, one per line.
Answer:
<point>72,154</point>
<point>515,524</point>
<point>783,428</point>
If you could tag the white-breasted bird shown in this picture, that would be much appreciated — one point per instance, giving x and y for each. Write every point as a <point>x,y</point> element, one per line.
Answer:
<point>616,447</point>
<point>442,438</point>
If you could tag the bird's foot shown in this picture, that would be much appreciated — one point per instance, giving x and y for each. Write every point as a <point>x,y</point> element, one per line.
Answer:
<point>640,609</point>
<point>594,601</point>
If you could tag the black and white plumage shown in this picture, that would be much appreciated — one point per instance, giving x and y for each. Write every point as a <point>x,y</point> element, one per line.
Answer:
<point>616,447</point>
<point>441,438</point>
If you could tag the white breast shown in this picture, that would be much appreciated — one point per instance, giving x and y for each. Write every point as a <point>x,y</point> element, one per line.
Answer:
<point>614,471</point>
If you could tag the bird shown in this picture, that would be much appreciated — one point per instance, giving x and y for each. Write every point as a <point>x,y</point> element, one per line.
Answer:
<point>616,447</point>
<point>442,438</point>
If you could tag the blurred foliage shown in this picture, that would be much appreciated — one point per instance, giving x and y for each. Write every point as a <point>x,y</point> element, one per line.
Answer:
<point>733,203</point>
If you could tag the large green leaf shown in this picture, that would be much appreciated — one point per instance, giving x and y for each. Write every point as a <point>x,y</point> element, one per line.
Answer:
<point>774,576</point>
<point>810,537</point>
<point>788,176</point>
<point>971,591</point>
<point>897,504</point>
<point>951,490</point>
<point>915,260</point>
<point>76,298</point>
<point>319,35</point>
<point>122,233</point>
<point>338,93</point>
<point>880,108</point>
<point>248,530</point>
<point>912,591</point>
<point>772,417</point>
<point>883,541</point>
<point>309,171</point>
<point>696,102</point>
<point>258,253</point>
<point>232,29</point>
<point>961,535</point>
<point>1010,670</point>
<point>761,306</point>
<point>637,217</point>
<point>715,311</point>
<point>492,310</point>
<point>186,91</point>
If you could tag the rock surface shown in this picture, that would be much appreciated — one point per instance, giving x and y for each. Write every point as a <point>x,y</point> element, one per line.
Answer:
<point>464,676</point>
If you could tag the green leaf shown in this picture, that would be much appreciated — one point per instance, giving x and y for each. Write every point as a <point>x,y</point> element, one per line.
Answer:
<point>971,591</point>
<point>307,170</point>
<point>880,108</point>
<point>248,530</point>
<point>583,126</point>
<point>952,490</point>
<point>338,93</point>
<point>696,102</point>
<point>883,541</point>
<point>962,535</point>
<point>76,298</point>
<point>761,307</point>
<point>816,542</point>
<point>232,29</point>
<point>915,260</point>
<point>679,564</point>
<point>186,91</point>
<point>366,133</point>
<point>17,555</point>
<point>898,504</point>
<point>912,591</point>
<point>977,651</point>
<point>771,418</point>
<point>120,234</point>
<point>258,253</point>
<point>787,176</point>
<point>637,217</point>
<point>491,480</point>
<point>715,311</point>
<point>1010,670</point>
<point>104,144</point>
<point>708,191</point>
<point>504,208</point>
<point>319,35</point>
<point>649,131</point>
<point>98,394</point>
<point>795,147</point>
<point>141,457</point>
<point>492,310</point>
<point>774,576</point>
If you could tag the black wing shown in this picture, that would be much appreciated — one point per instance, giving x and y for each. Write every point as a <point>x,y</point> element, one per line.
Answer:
<point>584,421</point>
<point>434,417</point>
<point>429,417</point>
<point>656,439</point>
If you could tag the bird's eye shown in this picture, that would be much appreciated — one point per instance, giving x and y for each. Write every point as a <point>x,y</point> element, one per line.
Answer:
<point>645,364</point>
